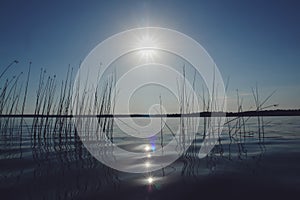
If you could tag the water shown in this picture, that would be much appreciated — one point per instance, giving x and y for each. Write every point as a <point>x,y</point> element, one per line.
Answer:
<point>243,166</point>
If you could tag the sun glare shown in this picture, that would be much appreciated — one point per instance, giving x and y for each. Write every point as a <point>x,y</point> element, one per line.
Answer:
<point>147,54</point>
<point>147,148</point>
<point>146,45</point>
<point>150,180</point>
<point>146,41</point>
<point>147,164</point>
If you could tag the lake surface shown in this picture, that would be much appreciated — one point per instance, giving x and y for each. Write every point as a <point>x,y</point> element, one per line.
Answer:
<point>252,162</point>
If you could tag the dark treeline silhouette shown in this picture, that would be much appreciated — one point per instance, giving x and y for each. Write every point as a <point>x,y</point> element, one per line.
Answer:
<point>278,112</point>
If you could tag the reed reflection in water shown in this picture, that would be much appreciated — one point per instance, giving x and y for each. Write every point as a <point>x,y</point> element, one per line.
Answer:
<point>56,165</point>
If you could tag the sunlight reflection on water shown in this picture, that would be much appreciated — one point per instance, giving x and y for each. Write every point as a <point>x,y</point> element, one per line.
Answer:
<point>53,167</point>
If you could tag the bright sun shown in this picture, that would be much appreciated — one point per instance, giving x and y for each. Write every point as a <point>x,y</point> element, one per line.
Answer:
<point>147,46</point>
<point>146,41</point>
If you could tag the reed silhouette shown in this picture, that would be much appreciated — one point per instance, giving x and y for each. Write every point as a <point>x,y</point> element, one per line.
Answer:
<point>48,141</point>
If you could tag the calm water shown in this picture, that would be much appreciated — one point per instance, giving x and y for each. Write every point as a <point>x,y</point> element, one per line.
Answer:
<point>241,166</point>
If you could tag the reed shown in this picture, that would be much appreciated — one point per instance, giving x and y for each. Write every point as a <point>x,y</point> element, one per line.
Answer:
<point>25,96</point>
<point>59,133</point>
<point>50,102</point>
<point>260,105</point>
<point>9,98</point>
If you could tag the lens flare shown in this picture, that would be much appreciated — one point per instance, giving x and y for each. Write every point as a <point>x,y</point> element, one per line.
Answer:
<point>147,148</point>
<point>147,164</point>
<point>150,180</point>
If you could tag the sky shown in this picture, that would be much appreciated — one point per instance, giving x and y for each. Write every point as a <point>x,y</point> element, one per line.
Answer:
<point>251,42</point>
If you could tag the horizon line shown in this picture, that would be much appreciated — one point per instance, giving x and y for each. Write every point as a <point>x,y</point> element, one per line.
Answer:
<point>278,112</point>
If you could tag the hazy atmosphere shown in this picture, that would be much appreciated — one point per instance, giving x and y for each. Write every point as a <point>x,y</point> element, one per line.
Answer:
<point>149,99</point>
<point>252,42</point>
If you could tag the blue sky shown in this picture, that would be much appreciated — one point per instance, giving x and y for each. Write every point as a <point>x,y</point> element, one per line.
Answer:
<point>250,41</point>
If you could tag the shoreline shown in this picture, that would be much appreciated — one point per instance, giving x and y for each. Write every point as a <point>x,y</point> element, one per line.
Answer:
<point>273,113</point>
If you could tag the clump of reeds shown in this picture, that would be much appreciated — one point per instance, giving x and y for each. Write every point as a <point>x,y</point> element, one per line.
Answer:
<point>55,108</point>
<point>9,98</point>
